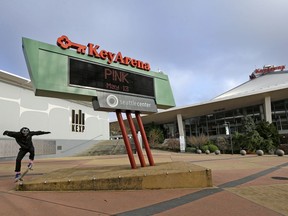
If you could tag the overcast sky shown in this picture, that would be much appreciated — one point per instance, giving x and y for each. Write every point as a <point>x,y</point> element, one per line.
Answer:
<point>205,46</point>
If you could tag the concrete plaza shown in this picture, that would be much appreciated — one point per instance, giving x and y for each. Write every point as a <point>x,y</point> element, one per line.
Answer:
<point>242,185</point>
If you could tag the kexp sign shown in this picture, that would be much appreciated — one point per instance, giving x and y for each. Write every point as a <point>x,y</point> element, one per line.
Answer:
<point>112,82</point>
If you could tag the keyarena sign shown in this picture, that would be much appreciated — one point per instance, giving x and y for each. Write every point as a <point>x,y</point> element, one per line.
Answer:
<point>266,69</point>
<point>110,80</point>
<point>93,51</point>
<point>112,83</point>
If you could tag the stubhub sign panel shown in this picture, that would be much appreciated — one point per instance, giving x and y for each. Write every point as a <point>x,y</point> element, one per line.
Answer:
<point>106,101</point>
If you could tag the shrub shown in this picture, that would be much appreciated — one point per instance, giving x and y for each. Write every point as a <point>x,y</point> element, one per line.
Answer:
<point>212,147</point>
<point>173,144</point>
<point>198,141</point>
<point>191,149</point>
<point>267,145</point>
<point>204,148</point>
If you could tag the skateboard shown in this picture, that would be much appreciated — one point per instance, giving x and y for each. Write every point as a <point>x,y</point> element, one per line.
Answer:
<point>20,179</point>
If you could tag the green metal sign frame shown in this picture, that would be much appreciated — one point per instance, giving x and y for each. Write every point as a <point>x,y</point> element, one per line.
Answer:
<point>48,67</point>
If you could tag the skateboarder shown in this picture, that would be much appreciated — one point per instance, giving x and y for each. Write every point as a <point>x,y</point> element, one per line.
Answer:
<point>24,139</point>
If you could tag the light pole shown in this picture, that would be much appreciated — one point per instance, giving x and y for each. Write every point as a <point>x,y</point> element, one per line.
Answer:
<point>228,132</point>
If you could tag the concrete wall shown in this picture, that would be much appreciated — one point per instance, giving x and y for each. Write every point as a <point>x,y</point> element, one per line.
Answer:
<point>9,148</point>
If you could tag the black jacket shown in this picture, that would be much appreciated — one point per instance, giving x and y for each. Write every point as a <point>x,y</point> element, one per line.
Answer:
<point>25,142</point>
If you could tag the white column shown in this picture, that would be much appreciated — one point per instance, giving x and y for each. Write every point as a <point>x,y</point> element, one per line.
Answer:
<point>140,139</point>
<point>181,133</point>
<point>267,105</point>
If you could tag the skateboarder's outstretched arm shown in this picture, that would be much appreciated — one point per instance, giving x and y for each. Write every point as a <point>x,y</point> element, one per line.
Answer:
<point>17,135</point>
<point>12,134</point>
<point>39,132</point>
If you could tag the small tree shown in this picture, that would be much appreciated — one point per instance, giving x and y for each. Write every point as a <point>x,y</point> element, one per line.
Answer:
<point>267,145</point>
<point>248,125</point>
<point>155,136</point>
<point>254,141</point>
<point>222,143</point>
<point>239,142</point>
<point>269,132</point>
<point>262,135</point>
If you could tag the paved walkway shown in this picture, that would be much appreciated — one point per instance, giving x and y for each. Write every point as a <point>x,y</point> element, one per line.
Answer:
<point>243,185</point>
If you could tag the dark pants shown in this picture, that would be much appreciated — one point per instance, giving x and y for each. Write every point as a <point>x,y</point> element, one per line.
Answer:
<point>22,152</point>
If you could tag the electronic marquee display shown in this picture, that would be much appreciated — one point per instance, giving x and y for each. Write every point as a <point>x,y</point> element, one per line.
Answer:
<point>87,74</point>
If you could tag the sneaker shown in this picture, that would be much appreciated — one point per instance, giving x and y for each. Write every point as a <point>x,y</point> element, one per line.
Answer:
<point>17,176</point>
<point>30,165</point>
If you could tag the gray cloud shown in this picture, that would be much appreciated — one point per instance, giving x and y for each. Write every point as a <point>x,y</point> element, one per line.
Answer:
<point>206,47</point>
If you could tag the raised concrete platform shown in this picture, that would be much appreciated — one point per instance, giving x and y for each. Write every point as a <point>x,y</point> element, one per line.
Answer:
<point>122,177</point>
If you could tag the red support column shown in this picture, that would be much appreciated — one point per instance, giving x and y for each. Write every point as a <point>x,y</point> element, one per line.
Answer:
<point>126,140</point>
<point>135,138</point>
<point>144,137</point>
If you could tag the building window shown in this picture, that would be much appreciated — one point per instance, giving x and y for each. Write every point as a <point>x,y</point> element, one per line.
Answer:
<point>279,114</point>
<point>214,124</point>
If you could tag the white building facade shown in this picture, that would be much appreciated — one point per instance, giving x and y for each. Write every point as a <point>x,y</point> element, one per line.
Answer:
<point>264,98</point>
<point>74,125</point>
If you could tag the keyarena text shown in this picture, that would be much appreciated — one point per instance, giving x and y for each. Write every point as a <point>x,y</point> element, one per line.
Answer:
<point>93,51</point>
